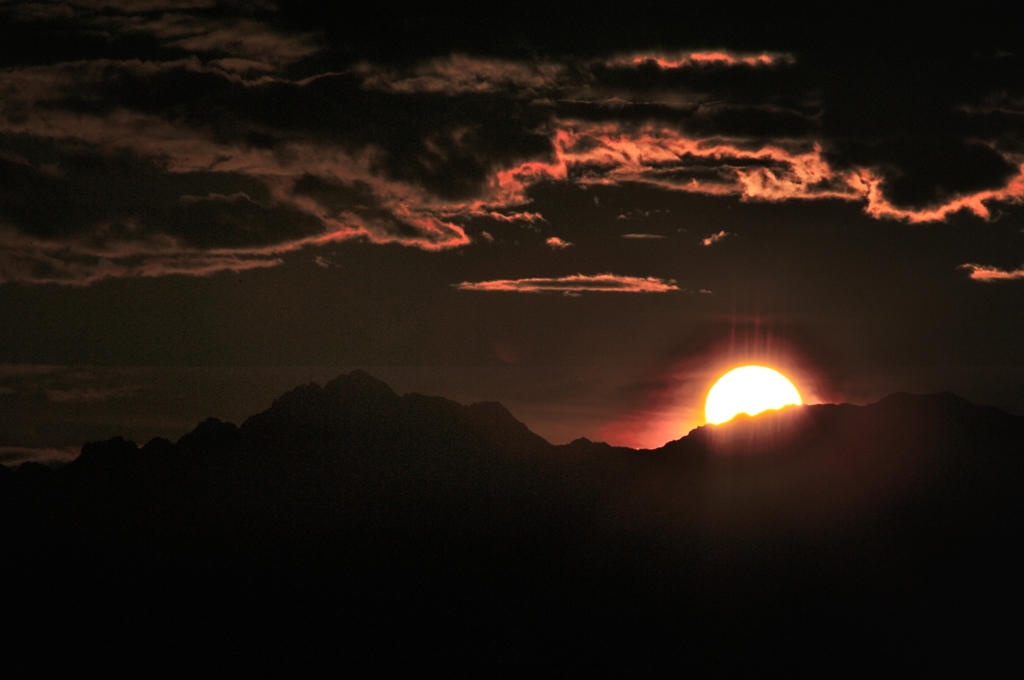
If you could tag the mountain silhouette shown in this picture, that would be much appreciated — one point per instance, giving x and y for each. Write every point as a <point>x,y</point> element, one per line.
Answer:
<point>352,526</point>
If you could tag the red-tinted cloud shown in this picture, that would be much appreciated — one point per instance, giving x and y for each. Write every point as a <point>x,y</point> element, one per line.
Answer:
<point>556,243</point>
<point>404,212</point>
<point>399,153</point>
<point>665,158</point>
<point>510,217</point>
<point>714,238</point>
<point>980,272</point>
<point>691,59</point>
<point>574,285</point>
<point>869,185</point>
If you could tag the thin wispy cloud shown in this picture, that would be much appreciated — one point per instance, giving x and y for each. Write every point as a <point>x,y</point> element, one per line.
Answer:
<point>12,456</point>
<point>461,74</point>
<point>980,272</point>
<point>715,238</point>
<point>576,284</point>
<point>697,59</point>
<point>89,394</point>
<point>642,236</point>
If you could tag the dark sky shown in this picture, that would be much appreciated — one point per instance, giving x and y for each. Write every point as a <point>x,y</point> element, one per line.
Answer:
<point>583,212</point>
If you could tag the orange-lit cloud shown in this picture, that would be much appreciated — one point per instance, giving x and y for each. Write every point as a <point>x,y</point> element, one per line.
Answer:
<point>510,217</point>
<point>980,272</point>
<point>340,155</point>
<point>691,59</point>
<point>574,285</point>
<point>404,212</point>
<point>715,238</point>
<point>666,158</point>
<point>869,185</point>
<point>556,243</point>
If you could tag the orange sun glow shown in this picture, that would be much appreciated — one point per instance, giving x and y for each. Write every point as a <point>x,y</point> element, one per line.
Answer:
<point>750,390</point>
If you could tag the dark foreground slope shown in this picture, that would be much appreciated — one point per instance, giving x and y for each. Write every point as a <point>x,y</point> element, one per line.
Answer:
<point>352,527</point>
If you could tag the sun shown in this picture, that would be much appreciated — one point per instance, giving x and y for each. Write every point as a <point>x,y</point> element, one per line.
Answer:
<point>750,390</point>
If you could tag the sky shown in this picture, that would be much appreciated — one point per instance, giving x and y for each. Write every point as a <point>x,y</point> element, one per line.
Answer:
<point>585,212</point>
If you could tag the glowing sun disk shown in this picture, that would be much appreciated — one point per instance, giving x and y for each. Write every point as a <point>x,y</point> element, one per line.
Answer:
<point>750,390</point>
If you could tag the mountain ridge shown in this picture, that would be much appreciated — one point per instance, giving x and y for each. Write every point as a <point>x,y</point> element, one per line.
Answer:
<point>360,525</point>
<point>349,399</point>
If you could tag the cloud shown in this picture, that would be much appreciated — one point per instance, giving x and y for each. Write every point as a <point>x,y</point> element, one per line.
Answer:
<point>130,185</point>
<point>574,285</point>
<point>139,5</point>
<point>13,456</point>
<point>89,394</point>
<point>556,243</point>
<point>980,272</point>
<point>663,157</point>
<point>639,213</point>
<point>461,74</point>
<point>529,217</point>
<point>715,238</point>
<point>247,40</point>
<point>81,262</point>
<point>179,140</point>
<point>641,236</point>
<point>699,59</point>
<point>19,371</point>
<point>179,26</point>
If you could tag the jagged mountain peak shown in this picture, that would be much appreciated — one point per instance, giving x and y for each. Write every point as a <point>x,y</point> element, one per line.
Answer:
<point>359,383</point>
<point>357,402</point>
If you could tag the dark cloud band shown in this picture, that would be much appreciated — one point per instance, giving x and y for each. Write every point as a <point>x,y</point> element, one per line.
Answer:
<point>196,138</point>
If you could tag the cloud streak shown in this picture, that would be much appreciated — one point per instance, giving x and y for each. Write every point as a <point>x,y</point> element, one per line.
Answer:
<point>989,274</point>
<point>13,456</point>
<point>89,394</point>
<point>715,238</point>
<point>699,59</point>
<point>574,285</point>
<point>461,74</point>
<point>81,263</point>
